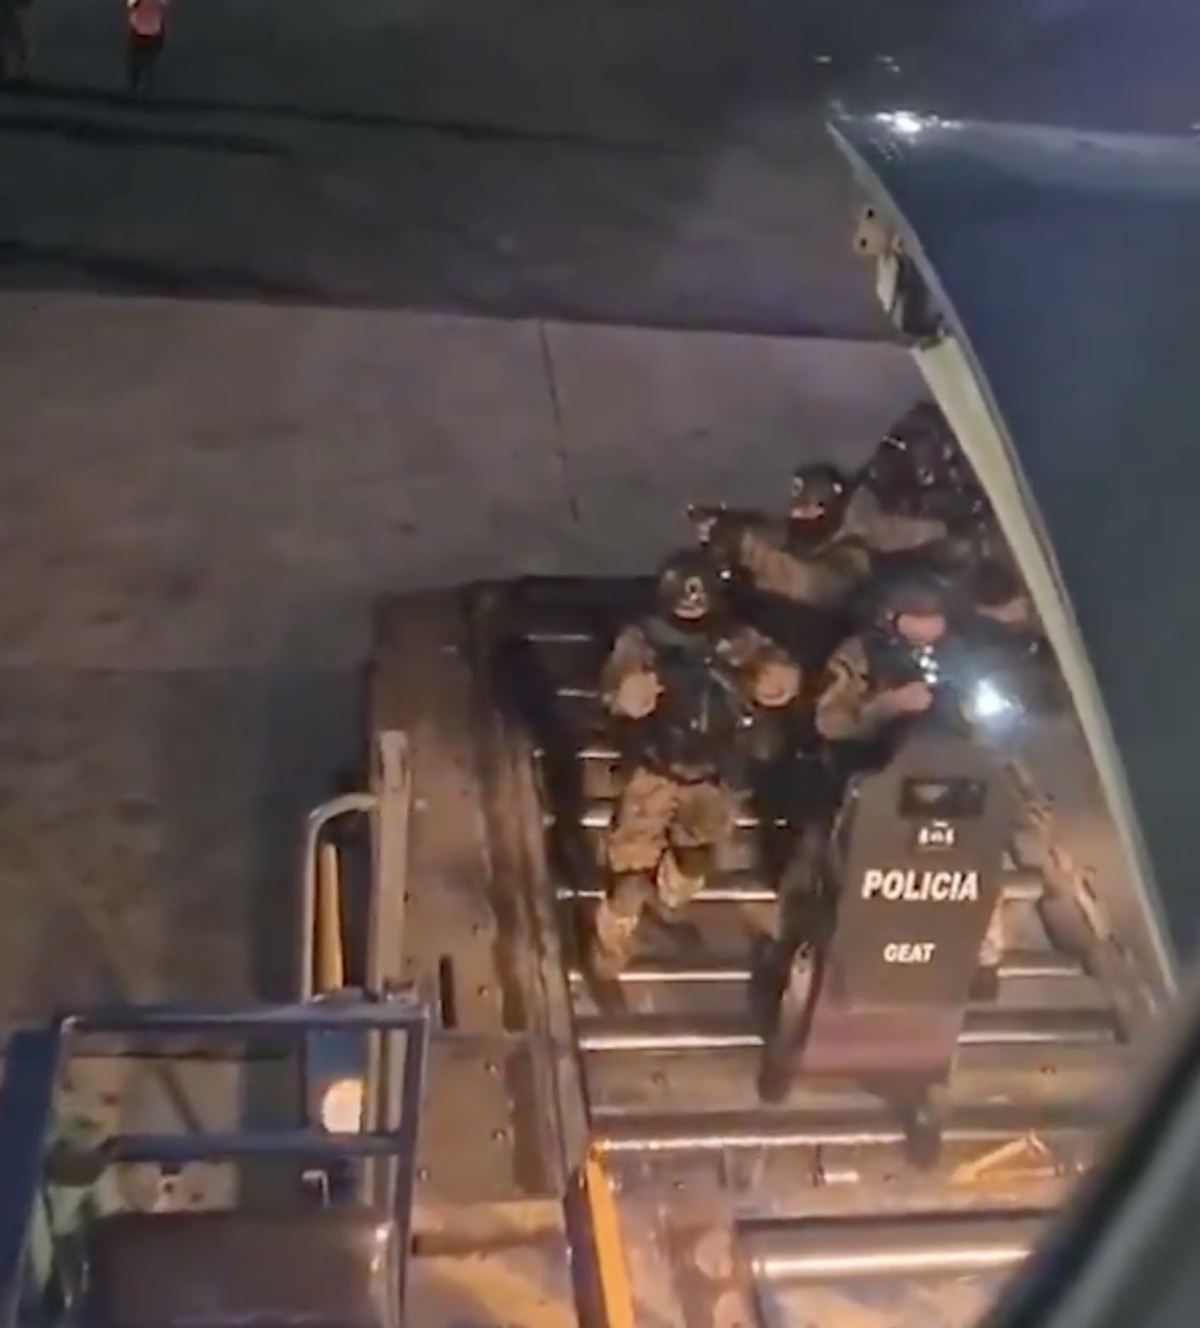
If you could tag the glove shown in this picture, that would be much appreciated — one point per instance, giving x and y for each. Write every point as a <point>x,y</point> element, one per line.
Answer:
<point>637,694</point>
<point>725,536</point>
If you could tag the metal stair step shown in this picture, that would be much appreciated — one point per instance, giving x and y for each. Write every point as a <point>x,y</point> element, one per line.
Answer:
<point>617,1131</point>
<point>912,1246</point>
<point>748,887</point>
<point>1024,964</point>
<point>983,1027</point>
<point>679,984</point>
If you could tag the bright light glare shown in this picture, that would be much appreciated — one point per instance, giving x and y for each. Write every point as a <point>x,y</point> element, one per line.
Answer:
<point>342,1106</point>
<point>904,122</point>
<point>989,702</point>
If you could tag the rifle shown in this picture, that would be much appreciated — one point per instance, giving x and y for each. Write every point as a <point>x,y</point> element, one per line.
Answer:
<point>696,653</point>
<point>707,518</point>
<point>703,662</point>
<point>705,515</point>
<point>975,690</point>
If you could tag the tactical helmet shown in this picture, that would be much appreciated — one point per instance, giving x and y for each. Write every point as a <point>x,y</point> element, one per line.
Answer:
<point>820,490</point>
<point>889,472</point>
<point>992,583</point>
<point>689,586</point>
<point>920,449</point>
<point>916,592</point>
<point>933,461</point>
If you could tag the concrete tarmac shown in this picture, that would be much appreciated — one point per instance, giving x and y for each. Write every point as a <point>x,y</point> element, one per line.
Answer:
<point>187,560</point>
<point>206,469</point>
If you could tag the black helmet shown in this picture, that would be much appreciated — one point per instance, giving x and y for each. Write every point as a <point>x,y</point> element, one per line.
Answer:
<point>934,461</point>
<point>889,471</point>
<point>993,583</point>
<point>921,446</point>
<point>689,586</point>
<point>820,493</point>
<point>916,592</point>
<point>924,418</point>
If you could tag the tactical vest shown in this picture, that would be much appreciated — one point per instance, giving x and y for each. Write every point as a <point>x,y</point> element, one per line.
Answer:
<point>808,634</point>
<point>696,731</point>
<point>947,668</point>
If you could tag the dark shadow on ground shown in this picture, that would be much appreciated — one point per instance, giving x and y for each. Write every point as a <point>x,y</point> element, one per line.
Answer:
<point>575,159</point>
<point>468,131</point>
<point>95,133</point>
<point>149,824</point>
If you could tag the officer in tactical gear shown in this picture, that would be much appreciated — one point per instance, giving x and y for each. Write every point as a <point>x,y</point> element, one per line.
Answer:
<point>821,555</point>
<point>807,560</point>
<point>925,486</point>
<point>994,590</point>
<point>882,675</point>
<point>890,514</point>
<point>906,664</point>
<point>690,682</point>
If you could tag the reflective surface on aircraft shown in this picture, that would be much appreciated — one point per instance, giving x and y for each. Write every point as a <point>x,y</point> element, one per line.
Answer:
<point>1083,415</point>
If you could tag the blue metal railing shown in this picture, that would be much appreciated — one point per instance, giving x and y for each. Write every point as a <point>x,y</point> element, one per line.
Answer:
<point>27,1095</point>
<point>35,1059</point>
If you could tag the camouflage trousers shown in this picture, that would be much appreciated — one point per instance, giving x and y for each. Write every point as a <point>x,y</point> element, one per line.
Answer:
<point>658,852</point>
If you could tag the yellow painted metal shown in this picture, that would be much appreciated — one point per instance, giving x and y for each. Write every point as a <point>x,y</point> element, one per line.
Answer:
<point>330,945</point>
<point>612,1265</point>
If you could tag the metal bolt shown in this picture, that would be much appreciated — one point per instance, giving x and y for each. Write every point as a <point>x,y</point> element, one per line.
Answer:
<point>483,990</point>
<point>499,1136</point>
<point>422,1173</point>
<point>490,1067</point>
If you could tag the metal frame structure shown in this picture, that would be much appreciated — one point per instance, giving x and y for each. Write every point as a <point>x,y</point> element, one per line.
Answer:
<point>388,804</point>
<point>35,1063</point>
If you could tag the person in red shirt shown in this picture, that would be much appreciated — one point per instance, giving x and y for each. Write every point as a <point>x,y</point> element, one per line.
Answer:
<point>145,33</point>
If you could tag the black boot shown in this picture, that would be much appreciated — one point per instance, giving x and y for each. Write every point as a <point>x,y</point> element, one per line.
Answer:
<point>922,1135</point>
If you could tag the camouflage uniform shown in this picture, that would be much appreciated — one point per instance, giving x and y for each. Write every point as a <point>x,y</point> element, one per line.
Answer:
<point>829,574</point>
<point>884,531</point>
<point>825,576</point>
<point>670,817</point>
<point>851,708</point>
